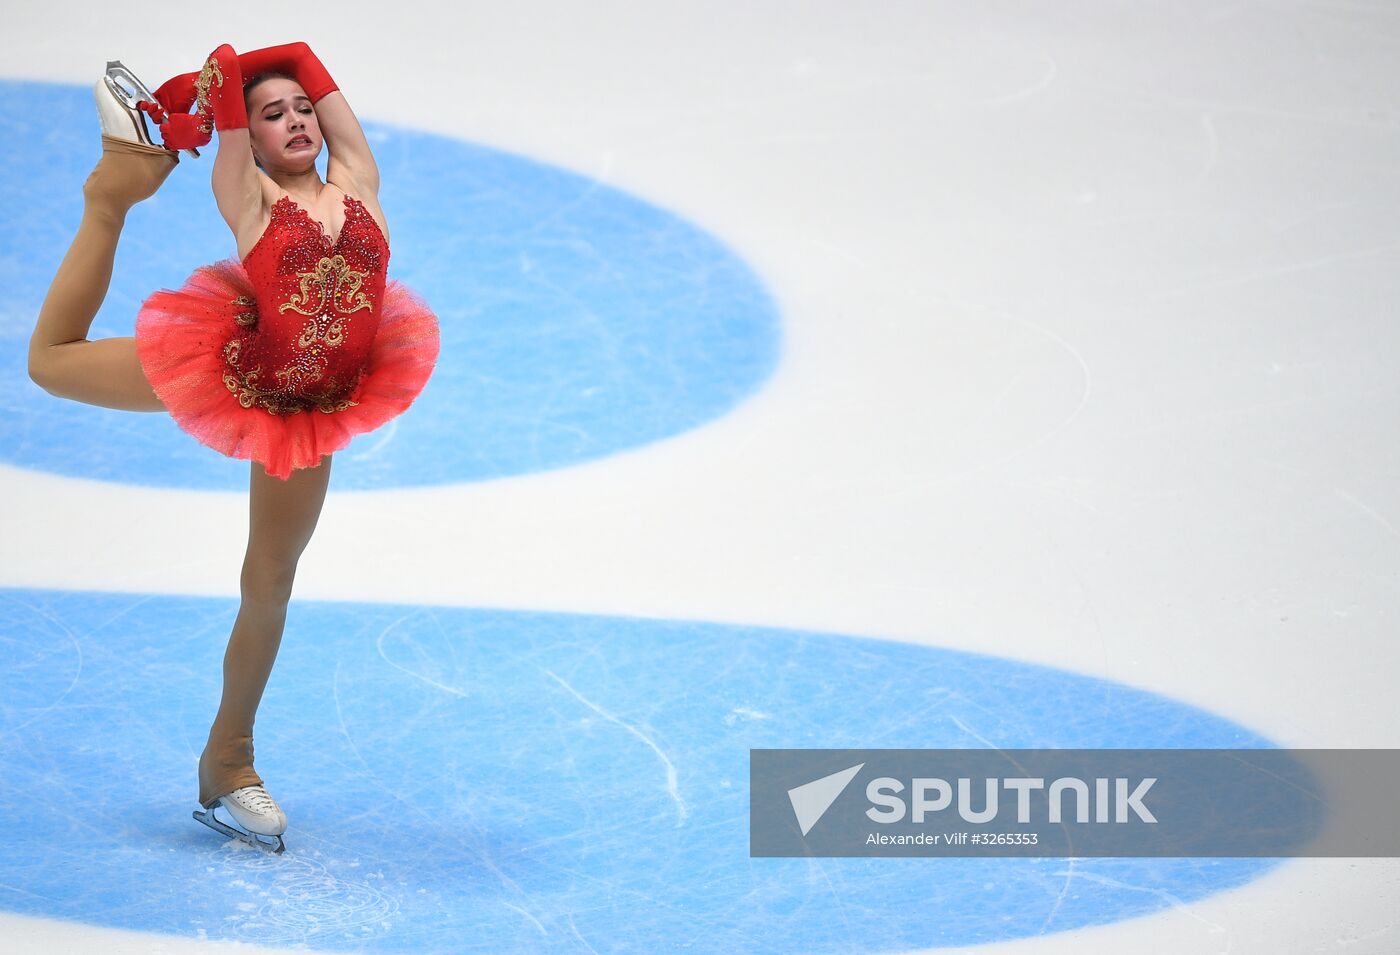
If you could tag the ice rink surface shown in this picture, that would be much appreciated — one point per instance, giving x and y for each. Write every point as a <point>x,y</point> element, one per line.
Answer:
<point>813,375</point>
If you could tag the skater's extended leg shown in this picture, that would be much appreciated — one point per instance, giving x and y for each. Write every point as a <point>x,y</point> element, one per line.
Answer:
<point>282,516</point>
<point>62,361</point>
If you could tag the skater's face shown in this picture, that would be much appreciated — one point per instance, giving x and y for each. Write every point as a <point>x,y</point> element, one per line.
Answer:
<point>282,126</point>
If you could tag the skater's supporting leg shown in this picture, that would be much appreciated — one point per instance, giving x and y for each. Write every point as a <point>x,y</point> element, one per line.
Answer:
<point>61,359</point>
<point>282,516</point>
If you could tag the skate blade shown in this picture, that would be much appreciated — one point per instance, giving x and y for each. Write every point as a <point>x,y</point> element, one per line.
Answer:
<point>125,84</point>
<point>209,819</point>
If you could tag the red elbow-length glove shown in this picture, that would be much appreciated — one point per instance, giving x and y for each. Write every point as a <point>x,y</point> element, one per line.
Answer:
<point>216,90</point>
<point>179,129</point>
<point>176,95</point>
<point>296,59</point>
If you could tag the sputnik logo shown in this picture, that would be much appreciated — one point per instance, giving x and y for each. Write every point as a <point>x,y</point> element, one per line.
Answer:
<point>810,801</point>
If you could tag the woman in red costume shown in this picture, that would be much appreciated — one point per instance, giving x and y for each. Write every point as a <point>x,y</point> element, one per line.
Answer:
<point>280,356</point>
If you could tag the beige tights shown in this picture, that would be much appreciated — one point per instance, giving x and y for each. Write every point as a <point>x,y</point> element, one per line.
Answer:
<point>282,514</point>
<point>61,359</point>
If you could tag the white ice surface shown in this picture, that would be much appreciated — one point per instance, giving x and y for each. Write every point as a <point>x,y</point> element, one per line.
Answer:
<point>1089,314</point>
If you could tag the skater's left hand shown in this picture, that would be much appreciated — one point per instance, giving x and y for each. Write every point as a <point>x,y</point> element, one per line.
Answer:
<point>184,131</point>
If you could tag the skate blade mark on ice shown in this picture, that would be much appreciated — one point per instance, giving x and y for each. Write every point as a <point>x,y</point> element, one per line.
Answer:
<point>213,822</point>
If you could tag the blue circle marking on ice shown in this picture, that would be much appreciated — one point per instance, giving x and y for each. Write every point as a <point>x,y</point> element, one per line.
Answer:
<point>576,320</point>
<point>466,780</point>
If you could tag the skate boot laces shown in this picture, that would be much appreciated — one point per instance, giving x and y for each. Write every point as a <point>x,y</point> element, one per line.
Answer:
<point>255,799</point>
<point>256,811</point>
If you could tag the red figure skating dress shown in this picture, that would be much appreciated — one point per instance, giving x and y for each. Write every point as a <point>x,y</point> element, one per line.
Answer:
<point>290,354</point>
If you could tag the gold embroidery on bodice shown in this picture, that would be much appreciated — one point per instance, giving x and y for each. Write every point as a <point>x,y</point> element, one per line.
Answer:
<point>334,280</point>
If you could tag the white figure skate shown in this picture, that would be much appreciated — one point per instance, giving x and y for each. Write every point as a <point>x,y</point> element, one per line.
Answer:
<point>256,812</point>
<point>117,93</point>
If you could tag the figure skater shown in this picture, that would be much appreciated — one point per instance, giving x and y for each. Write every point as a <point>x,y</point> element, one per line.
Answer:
<point>279,357</point>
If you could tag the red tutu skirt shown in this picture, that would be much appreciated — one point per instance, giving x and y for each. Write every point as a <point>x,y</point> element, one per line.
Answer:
<point>180,339</point>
